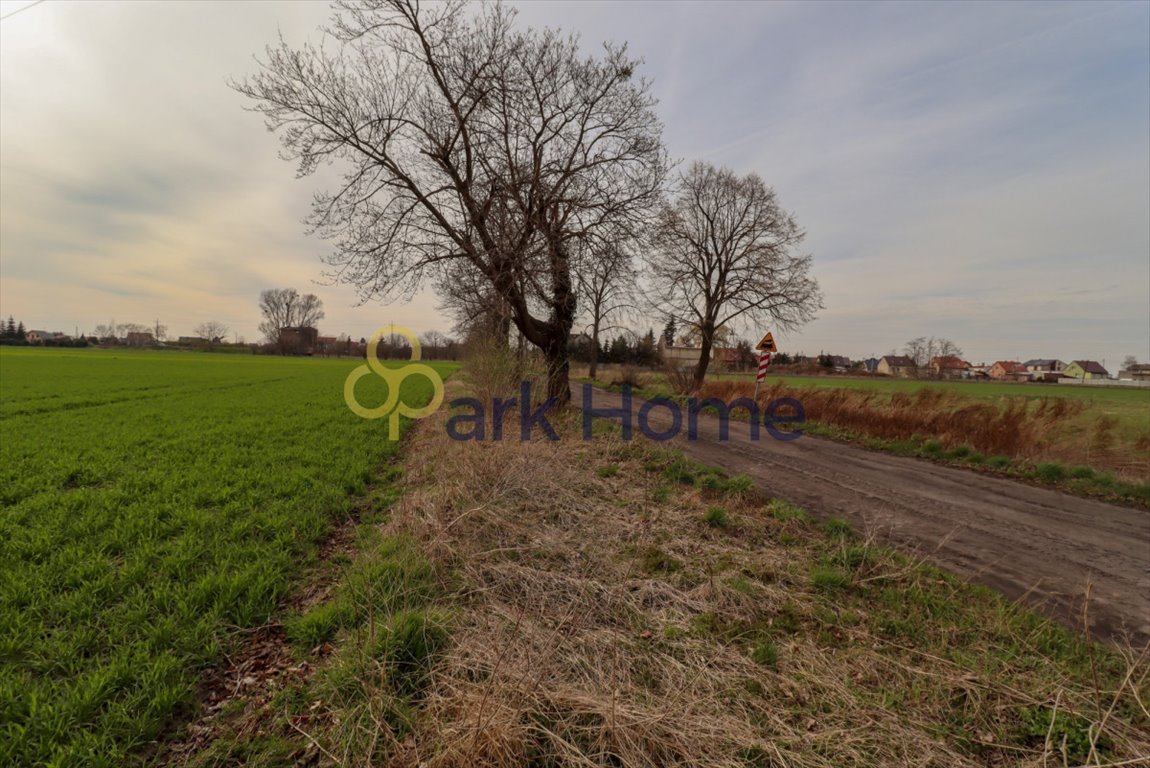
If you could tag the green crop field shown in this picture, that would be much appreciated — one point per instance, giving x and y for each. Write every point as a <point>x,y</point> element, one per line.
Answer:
<point>152,505</point>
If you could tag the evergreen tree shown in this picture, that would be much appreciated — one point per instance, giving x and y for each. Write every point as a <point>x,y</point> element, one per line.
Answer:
<point>620,350</point>
<point>669,332</point>
<point>20,331</point>
<point>647,350</point>
<point>10,329</point>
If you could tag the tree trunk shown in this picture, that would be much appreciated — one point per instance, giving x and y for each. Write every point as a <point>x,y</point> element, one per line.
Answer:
<point>593,367</point>
<point>563,303</point>
<point>558,370</point>
<point>704,357</point>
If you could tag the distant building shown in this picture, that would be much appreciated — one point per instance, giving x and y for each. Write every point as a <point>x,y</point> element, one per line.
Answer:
<point>899,366</point>
<point>950,367</point>
<point>298,341</point>
<point>1135,373</point>
<point>681,356</point>
<point>1008,370</point>
<point>191,341</point>
<point>870,365</point>
<point>840,363</point>
<point>39,337</point>
<point>1044,366</point>
<point>140,339</point>
<point>725,357</point>
<point>1085,370</point>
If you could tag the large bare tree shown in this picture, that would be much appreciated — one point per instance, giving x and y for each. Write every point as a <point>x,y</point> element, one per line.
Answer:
<point>726,251</point>
<point>286,308</point>
<point>463,139</point>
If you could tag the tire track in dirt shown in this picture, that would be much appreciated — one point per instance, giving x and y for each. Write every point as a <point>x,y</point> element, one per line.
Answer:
<point>1035,544</point>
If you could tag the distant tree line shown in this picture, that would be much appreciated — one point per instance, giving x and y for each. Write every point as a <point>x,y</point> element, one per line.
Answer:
<point>625,349</point>
<point>13,332</point>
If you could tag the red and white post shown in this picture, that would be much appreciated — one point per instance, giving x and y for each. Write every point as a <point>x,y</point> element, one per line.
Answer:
<point>764,363</point>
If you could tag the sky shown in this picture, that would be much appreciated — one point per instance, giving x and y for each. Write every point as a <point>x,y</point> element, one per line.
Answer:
<point>977,171</point>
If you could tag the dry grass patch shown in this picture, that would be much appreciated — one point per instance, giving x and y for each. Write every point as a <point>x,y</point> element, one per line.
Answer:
<point>602,618</point>
<point>1034,429</point>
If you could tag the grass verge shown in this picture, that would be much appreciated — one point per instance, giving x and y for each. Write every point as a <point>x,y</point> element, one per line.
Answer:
<point>616,618</point>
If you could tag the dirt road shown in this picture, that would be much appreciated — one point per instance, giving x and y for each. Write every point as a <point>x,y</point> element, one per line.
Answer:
<point>1026,542</point>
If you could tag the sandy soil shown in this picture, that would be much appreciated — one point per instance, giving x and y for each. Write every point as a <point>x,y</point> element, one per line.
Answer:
<point>1044,547</point>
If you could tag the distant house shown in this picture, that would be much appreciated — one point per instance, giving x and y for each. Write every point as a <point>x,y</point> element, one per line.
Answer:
<point>140,339</point>
<point>1044,366</point>
<point>1085,369</point>
<point>840,363</point>
<point>726,357</point>
<point>299,341</point>
<point>681,356</point>
<point>896,365</point>
<point>1136,373</point>
<point>1008,370</point>
<point>40,337</point>
<point>950,367</point>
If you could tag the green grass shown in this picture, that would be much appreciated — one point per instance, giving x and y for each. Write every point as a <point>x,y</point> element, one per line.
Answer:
<point>717,517</point>
<point>829,578</point>
<point>766,654</point>
<point>151,505</point>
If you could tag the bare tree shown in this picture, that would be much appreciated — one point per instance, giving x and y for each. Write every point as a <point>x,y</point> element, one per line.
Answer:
<point>1129,362</point>
<point>463,139</point>
<point>213,331</point>
<point>606,284</point>
<point>123,329</point>
<point>920,350</point>
<point>725,251</point>
<point>924,352</point>
<point>434,345</point>
<point>286,308</point>
<point>159,331</point>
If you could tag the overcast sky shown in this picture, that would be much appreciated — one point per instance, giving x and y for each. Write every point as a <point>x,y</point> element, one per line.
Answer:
<point>971,170</point>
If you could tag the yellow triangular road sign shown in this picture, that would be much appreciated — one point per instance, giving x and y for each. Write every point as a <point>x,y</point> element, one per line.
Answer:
<point>767,344</point>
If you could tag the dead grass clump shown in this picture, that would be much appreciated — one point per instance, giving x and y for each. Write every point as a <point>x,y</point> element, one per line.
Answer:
<point>680,378</point>
<point>630,376</point>
<point>493,369</point>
